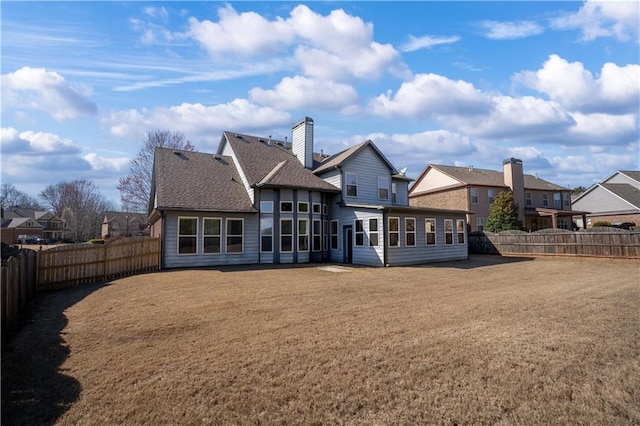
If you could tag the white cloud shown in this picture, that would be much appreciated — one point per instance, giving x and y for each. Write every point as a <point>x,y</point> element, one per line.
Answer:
<point>301,92</point>
<point>31,143</point>
<point>100,163</point>
<point>604,129</point>
<point>511,30</point>
<point>617,19</point>
<point>156,12</point>
<point>48,91</point>
<point>427,42</point>
<point>571,85</point>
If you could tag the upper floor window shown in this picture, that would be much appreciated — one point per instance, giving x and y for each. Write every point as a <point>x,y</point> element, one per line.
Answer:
<point>430,231</point>
<point>527,199</point>
<point>286,206</point>
<point>303,207</point>
<point>557,202</point>
<point>373,232</point>
<point>187,235</point>
<point>212,241</point>
<point>491,194</point>
<point>567,199</point>
<point>266,206</point>
<point>394,192</point>
<point>317,208</point>
<point>545,200</point>
<point>383,188</point>
<point>235,234</point>
<point>352,184</point>
<point>474,196</point>
<point>409,231</point>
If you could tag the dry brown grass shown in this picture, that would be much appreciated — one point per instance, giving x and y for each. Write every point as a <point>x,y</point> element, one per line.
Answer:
<point>484,341</point>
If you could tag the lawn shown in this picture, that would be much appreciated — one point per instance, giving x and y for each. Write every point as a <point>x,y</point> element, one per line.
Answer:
<point>486,341</point>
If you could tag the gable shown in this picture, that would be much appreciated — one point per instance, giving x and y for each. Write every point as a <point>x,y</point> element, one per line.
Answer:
<point>600,199</point>
<point>433,179</point>
<point>627,177</point>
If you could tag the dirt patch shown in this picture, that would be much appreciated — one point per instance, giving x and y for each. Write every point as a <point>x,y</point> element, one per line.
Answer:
<point>484,341</point>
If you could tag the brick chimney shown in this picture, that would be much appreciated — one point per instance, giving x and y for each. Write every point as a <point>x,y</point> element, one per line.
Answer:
<point>514,179</point>
<point>302,141</point>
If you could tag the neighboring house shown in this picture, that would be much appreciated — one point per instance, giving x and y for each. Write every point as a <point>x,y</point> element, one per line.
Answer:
<point>616,199</point>
<point>23,221</point>
<point>258,200</point>
<point>124,224</point>
<point>541,204</point>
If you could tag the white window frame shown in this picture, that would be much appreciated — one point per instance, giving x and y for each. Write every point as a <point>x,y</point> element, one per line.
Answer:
<point>266,206</point>
<point>545,200</point>
<point>205,235</point>
<point>491,195</point>
<point>474,194</point>
<point>407,232</point>
<point>263,235</point>
<point>374,231</point>
<point>316,237</point>
<point>390,232</point>
<point>304,235</point>
<point>228,235</point>
<point>316,208</point>
<point>304,205</point>
<point>195,236</point>
<point>448,231</point>
<point>286,202</point>
<point>383,185</point>
<point>557,201</point>
<point>460,231</point>
<point>335,235</point>
<point>282,234</point>
<point>358,232</point>
<point>427,231</point>
<point>347,185</point>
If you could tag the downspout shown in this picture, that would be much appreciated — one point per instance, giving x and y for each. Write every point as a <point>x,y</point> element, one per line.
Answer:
<point>163,216</point>
<point>385,242</point>
<point>295,226</point>
<point>341,184</point>
<point>259,193</point>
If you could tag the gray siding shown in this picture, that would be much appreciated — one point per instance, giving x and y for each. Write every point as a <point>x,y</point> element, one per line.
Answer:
<point>402,194</point>
<point>171,259</point>
<point>368,166</point>
<point>333,177</point>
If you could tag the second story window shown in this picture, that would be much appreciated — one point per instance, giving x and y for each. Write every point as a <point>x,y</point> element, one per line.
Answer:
<point>352,184</point>
<point>394,192</point>
<point>545,200</point>
<point>557,202</point>
<point>286,207</point>
<point>303,207</point>
<point>527,199</point>
<point>491,194</point>
<point>567,200</point>
<point>383,188</point>
<point>474,195</point>
<point>266,206</point>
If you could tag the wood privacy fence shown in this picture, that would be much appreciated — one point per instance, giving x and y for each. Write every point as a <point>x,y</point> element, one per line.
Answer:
<point>71,265</point>
<point>18,287</point>
<point>596,242</point>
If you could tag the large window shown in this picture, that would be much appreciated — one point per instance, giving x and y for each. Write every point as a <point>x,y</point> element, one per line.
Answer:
<point>235,234</point>
<point>373,233</point>
<point>448,231</point>
<point>460,230</point>
<point>317,235</point>
<point>491,194</point>
<point>334,234</point>
<point>557,201</point>
<point>187,235</point>
<point>394,232</point>
<point>351,184</point>
<point>286,235</point>
<point>383,188</point>
<point>409,231</point>
<point>212,235</point>
<point>359,233</point>
<point>303,234</point>
<point>430,231</point>
<point>474,196</point>
<point>266,234</point>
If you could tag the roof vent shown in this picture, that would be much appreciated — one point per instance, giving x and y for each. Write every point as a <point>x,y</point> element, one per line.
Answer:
<point>177,152</point>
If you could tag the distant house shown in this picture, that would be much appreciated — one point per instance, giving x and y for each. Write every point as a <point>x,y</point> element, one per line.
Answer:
<point>124,224</point>
<point>33,222</point>
<point>542,204</point>
<point>258,200</point>
<point>616,199</point>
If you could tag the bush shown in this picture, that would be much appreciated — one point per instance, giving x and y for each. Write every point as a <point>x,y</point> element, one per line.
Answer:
<point>96,241</point>
<point>601,223</point>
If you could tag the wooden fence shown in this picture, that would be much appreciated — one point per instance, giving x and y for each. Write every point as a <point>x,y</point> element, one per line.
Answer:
<point>18,287</point>
<point>71,265</point>
<point>596,242</point>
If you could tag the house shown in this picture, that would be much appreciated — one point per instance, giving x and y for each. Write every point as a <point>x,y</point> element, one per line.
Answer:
<point>32,222</point>
<point>258,200</point>
<point>616,199</point>
<point>125,224</point>
<point>541,204</point>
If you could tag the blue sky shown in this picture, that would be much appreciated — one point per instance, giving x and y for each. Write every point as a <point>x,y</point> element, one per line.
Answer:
<point>556,84</point>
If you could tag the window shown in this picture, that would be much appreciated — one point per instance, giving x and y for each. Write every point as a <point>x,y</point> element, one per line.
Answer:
<point>334,234</point>
<point>394,232</point>
<point>527,199</point>
<point>303,207</point>
<point>373,233</point>
<point>359,233</point>
<point>566,198</point>
<point>317,235</point>
<point>286,206</point>
<point>325,234</point>
<point>266,234</point>
<point>430,231</point>
<point>383,188</point>
<point>545,200</point>
<point>557,202</point>
<point>235,233</point>
<point>352,184</point>
<point>187,235</point>
<point>286,235</point>
<point>266,207</point>
<point>481,223</point>
<point>474,195</point>
<point>317,208</point>
<point>448,231</point>
<point>212,236</point>
<point>303,234</point>
<point>409,231</point>
<point>460,229</point>
<point>394,192</point>
<point>491,194</point>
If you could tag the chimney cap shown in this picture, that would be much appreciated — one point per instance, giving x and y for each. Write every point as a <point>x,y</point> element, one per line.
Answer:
<point>512,160</point>
<point>304,120</point>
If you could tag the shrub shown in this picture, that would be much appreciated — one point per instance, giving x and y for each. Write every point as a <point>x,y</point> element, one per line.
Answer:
<point>601,223</point>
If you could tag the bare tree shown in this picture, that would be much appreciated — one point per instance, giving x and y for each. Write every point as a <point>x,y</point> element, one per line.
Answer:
<point>10,196</point>
<point>135,189</point>
<point>80,204</point>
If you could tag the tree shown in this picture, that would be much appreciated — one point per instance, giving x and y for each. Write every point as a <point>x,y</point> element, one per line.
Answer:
<point>10,196</point>
<point>135,189</point>
<point>80,204</point>
<point>578,190</point>
<point>503,214</point>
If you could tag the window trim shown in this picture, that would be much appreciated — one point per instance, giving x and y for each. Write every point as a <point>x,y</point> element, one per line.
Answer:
<point>347,185</point>
<point>384,188</point>
<point>315,235</point>
<point>306,234</point>
<point>448,232</point>
<point>407,232</point>
<point>389,231</point>
<point>336,234</point>
<point>227,235</point>
<point>266,203</point>
<point>357,233</point>
<point>263,235</point>
<point>528,200</point>
<point>375,232</point>
<point>545,200</point>
<point>491,195</point>
<point>306,207</point>
<point>471,195</point>
<point>286,202</point>
<point>282,234</point>
<point>458,233</point>
<point>179,235</point>
<point>204,236</point>
<point>316,208</point>
<point>427,232</point>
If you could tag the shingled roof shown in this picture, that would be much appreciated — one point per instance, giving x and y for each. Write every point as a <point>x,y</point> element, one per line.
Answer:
<point>271,163</point>
<point>483,177</point>
<point>625,191</point>
<point>198,181</point>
